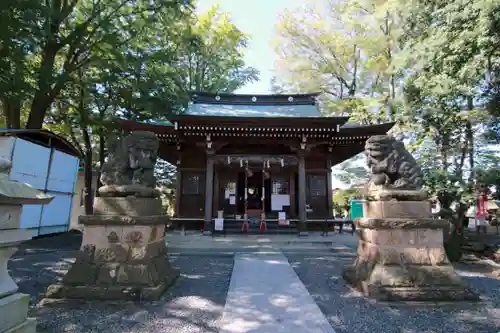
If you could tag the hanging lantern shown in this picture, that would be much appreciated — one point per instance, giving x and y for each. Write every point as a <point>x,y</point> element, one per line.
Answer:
<point>228,160</point>
<point>282,162</point>
<point>241,163</point>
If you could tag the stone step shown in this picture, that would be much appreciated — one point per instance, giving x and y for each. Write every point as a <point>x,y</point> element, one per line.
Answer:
<point>28,326</point>
<point>234,227</point>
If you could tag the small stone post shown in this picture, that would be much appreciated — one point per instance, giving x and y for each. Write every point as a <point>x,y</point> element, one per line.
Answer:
<point>13,195</point>
<point>400,252</point>
<point>123,255</point>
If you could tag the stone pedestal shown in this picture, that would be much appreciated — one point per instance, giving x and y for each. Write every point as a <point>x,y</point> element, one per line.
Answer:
<point>401,256</point>
<point>13,305</point>
<point>13,195</point>
<point>123,255</point>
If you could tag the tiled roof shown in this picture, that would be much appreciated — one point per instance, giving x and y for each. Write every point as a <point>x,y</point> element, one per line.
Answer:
<point>223,110</point>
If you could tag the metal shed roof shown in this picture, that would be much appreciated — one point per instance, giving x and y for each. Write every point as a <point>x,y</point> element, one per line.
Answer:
<point>43,137</point>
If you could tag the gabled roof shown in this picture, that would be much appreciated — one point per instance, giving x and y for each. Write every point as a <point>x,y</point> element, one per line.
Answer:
<point>258,106</point>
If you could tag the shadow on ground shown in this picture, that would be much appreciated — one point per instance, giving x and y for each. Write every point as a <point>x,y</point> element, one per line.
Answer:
<point>193,304</point>
<point>348,312</point>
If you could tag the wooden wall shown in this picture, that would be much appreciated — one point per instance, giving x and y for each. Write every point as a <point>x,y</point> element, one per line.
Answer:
<point>192,183</point>
<point>192,187</point>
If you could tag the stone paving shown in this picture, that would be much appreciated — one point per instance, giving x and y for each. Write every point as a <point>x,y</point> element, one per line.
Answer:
<point>265,295</point>
<point>199,298</point>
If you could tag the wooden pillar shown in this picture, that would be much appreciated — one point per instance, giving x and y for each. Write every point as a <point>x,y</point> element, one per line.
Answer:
<point>302,194</point>
<point>209,191</point>
<point>178,191</point>
<point>293,212</point>
<point>216,201</point>
<point>178,183</point>
<point>329,188</point>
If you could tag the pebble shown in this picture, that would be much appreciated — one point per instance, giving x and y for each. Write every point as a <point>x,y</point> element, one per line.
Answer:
<point>196,301</point>
<point>349,312</point>
<point>192,305</point>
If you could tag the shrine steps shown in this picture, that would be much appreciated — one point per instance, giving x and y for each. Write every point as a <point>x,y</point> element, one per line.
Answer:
<point>272,227</point>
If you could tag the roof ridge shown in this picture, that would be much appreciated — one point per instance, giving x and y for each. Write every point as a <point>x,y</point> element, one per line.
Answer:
<point>254,99</point>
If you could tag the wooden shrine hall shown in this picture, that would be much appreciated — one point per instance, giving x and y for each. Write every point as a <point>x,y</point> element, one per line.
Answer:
<point>255,162</point>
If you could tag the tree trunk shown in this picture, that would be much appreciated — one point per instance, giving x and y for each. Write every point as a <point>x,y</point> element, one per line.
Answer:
<point>470,139</point>
<point>12,112</point>
<point>88,197</point>
<point>42,99</point>
<point>37,114</point>
<point>102,148</point>
<point>445,146</point>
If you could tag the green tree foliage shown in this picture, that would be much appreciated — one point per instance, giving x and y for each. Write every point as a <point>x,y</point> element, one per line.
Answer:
<point>452,50</point>
<point>432,66</point>
<point>342,198</point>
<point>353,171</point>
<point>75,66</point>
<point>62,37</point>
<point>212,59</point>
<point>344,49</point>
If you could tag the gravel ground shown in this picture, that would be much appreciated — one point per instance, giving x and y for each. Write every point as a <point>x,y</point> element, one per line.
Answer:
<point>347,312</point>
<point>196,301</point>
<point>193,304</point>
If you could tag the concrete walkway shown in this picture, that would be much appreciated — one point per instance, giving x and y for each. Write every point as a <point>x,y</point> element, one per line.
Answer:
<point>266,295</point>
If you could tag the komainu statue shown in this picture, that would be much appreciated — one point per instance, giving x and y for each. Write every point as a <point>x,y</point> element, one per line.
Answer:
<point>129,168</point>
<point>400,254</point>
<point>394,172</point>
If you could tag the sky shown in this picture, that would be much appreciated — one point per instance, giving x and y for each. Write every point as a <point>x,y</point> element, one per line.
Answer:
<point>256,18</point>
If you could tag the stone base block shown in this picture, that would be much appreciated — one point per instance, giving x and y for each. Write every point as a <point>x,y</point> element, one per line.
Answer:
<point>14,310</point>
<point>116,282</point>
<point>112,292</point>
<point>406,287</point>
<point>398,263</point>
<point>28,326</point>
<point>131,206</point>
<point>397,209</point>
<point>123,262</point>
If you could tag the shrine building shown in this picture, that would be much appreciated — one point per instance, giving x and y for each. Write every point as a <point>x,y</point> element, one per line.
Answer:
<point>249,159</point>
